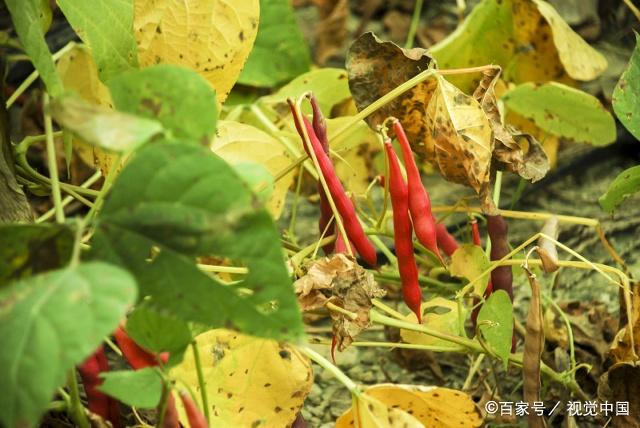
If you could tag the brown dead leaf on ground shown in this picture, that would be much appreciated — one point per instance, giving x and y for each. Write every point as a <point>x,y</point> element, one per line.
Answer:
<point>375,67</point>
<point>341,281</point>
<point>621,384</point>
<point>331,31</point>
<point>432,407</point>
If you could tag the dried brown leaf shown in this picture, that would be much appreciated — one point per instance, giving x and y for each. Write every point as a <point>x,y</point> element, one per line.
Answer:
<point>375,67</point>
<point>621,384</point>
<point>331,31</point>
<point>340,280</point>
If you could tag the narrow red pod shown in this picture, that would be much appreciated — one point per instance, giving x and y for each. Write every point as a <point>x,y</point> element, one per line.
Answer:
<point>344,205</point>
<point>98,402</point>
<point>419,202</point>
<point>446,241</point>
<point>402,234</point>
<point>341,246</point>
<point>171,418</point>
<point>194,414</point>
<point>136,356</point>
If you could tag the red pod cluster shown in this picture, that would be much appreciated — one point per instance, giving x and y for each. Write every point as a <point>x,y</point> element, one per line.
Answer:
<point>446,241</point>
<point>402,233</point>
<point>98,402</point>
<point>343,203</point>
<point>194,414</point>
<point>419,203</point>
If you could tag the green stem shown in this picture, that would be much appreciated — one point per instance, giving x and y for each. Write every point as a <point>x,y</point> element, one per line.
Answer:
<point>415,20</point>
<point>76,409</point>
<point>67,200</point>
<point>23,166</point>
<point>567,323</point>
<point>34,75</point>
<point>327,365</point>
<point>164,401</point>
<point>53,164</point>
<point>201,383</point>
<point>106,186</point>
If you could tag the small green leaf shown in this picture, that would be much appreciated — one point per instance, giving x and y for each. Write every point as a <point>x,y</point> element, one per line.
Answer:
<point>624,185</point>
<point>28,249</point>
<point>470,261</point>
<point>185,201</point>
<point>626,95</point>
<point>187,106</point>
<point>140,388</point>
<point>495,322</point>
<point>107,129</point>
<point>564,111</point>
<point>26,14</point>
<point>280,51</point>
<point>106,26</point>
<point>156,332</point>
<point>50,323</point>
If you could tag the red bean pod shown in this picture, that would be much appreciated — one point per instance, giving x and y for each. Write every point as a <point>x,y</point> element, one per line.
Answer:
<point>171,418</point>
<point>98,402</point>
<point>136,356</point>
<point>402,234</point>
<point>419,202</point>
<point>194,414</point>
<point>446,241</point>
<point>343,203</point>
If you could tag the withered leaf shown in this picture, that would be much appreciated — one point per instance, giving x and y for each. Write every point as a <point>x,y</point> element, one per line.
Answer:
<point>340,280</point>
<point>547,250</point>
<point>331,31</point>
<point>375,67</point>
<point>462,140</point>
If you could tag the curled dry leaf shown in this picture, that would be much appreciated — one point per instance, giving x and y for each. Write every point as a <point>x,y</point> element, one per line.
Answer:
<point>621,384</point>
<point>513,150</point>
<point>375,67</point>
<point>340,280</point>
<point>533,347</point>
<point>212,37</point>
<point>621,349</point>
<point>249,381</point>
<point>462,139</point>
<point>432,407</point>
<point>546,249</point>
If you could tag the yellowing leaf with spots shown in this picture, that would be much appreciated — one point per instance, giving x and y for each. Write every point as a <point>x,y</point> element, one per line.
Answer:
<point>212,37</point>
<point>238,143</point>
<point>250,382</point>
<point>369,412</point>
<point>431,407</point>
<point>438,314</point>
<point>460,138</point>
<point>79,74</point>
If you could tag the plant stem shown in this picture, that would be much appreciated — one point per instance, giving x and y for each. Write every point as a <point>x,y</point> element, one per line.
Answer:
<point>67,200</point>
<point>201,383</point>
<point>331,368</point>
<point>162,406</point>
<point>34,75</point>
<point>472,372</point>
<point>76,409</point>
<point>223,269</point>
<point>415,20</point>
<point>633,8</point>
<point>52,163</point>
<point>106,186</point>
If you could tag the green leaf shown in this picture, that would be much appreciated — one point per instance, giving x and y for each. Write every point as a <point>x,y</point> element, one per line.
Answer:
<point>25,14</point>
<point>280,51</point>
<point>470,261</point>
<point>140,388</point>
<point>484,37</point>
<point>624,185</point>
<point>187,106</point>
<point>102,127</point>
<point>156,332</point>
<point>329,85</point>
<point>564,111</point>
<point>106,26</point>
<point>626,95</point>
<point>495,322</point>
<point>48,324</point>
<point>28,249</point>
<point>186,201</point>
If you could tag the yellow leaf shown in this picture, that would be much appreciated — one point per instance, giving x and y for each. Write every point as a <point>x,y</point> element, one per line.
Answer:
<point>372,413</point>
<point>432,407</point>
<point>355,154</point>
<point>212,37</point>
<point>249,381</point>
<point>236,143</point>
<point>79,74</point>
<point>438,314</point>
<point>459,138</point>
